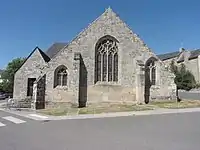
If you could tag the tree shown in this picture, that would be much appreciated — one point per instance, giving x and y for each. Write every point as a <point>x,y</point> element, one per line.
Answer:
<point>184,79</point>
<point>8,74</point>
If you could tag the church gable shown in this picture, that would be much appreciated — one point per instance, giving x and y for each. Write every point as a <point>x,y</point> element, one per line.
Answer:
<point>100,64</point>
<point>28,73</point>
<point>34,62</point>
<point>130,46</point>
<point>109,23</point>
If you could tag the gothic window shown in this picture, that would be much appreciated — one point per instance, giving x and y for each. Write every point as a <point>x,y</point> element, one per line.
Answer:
<point>151,71</point>
<point>153,75</point>
<point>115,67</point>
<point>98,67</point>
<point>110,76</point>
<point>104,66</point>
<point>106,60</point>
<point>60,78</point>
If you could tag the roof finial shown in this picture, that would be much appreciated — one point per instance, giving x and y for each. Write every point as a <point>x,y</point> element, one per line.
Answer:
<point>181,48</point>
<point>109,8</point>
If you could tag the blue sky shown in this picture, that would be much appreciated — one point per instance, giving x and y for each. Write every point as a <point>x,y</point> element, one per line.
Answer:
<point>162,24</point>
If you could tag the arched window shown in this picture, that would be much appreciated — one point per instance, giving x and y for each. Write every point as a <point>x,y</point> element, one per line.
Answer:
<point>151,70</point>
<point>106,60</point>
<point>60,76</point>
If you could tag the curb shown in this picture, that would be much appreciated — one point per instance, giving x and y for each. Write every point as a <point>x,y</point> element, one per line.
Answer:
<point>41,117</point>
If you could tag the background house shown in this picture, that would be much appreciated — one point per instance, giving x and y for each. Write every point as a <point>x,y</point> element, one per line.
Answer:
<point>0,76</point>
<point>190,58</point>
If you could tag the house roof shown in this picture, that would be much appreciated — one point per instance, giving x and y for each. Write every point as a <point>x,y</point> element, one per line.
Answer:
<point>45,57</point>
<point>194,54</point>
<point>54,49</point>
<point>168,55</point>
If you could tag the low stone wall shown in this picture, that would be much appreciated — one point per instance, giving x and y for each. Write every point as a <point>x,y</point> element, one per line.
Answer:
<point>191,91</point>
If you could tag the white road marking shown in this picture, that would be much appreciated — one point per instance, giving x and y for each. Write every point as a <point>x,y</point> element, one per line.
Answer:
<point>38,116</point>
<point>2,125</point>
<point>14,120</point>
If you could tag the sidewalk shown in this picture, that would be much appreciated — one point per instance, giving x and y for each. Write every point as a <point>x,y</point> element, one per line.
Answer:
<point>40,117</point>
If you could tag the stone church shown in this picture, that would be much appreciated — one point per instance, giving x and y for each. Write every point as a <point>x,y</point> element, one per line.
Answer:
<point>106,62</point>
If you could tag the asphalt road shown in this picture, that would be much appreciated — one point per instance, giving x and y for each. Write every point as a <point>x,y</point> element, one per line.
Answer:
<point>157,132</point>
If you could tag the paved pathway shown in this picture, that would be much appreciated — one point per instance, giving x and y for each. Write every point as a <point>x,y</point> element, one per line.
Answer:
<point>9,119</point>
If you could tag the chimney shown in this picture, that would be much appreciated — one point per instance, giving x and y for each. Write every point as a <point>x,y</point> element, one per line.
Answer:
<point>181,49</point>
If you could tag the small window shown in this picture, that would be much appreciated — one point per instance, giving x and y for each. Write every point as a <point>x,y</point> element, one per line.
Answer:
<point>60,76</point>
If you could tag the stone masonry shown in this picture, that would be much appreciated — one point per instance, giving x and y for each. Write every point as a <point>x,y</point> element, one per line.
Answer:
<point>79,58</point>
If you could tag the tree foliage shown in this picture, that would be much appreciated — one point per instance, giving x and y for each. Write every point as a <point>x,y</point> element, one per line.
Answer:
<point>184,79</point>
<point>8,74</point>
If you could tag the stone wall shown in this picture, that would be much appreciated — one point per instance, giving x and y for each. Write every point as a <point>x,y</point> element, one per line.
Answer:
<point>131,48</point>
<point>111,93</point>
<point>79,59</point>
<point>68,93</point>
<point>30,69</point>
<point>193,66</point>
<point>164,89</point>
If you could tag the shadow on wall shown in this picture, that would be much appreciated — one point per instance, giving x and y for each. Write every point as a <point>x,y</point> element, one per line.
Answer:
<point>83,84</point>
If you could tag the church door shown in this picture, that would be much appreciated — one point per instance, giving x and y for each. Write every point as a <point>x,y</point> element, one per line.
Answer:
<point>147,85</point>
<point>150,77</point>
<point>30,86</point>
<point>41,87</point>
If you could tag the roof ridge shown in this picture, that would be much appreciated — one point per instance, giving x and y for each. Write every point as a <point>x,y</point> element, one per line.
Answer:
<point>55,48</point>
<point>44,55</point>
<point>83,30</point>
<point>28,57</point>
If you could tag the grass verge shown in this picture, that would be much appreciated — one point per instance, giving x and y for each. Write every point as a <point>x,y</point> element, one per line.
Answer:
<point>98,109</point>
<point>177,105</point>
<point>109,108</point>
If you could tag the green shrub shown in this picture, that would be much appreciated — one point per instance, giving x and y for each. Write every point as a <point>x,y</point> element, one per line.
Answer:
<point>184,79</point>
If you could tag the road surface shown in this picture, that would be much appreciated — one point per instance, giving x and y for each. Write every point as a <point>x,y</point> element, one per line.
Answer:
<point>156,132</point>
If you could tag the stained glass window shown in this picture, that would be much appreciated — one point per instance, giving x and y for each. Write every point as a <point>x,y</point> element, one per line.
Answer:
<point>106,62</point>
<point>116,67</point>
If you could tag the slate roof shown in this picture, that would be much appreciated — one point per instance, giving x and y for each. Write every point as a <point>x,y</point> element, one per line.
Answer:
<point>45,57</point>
<point>54,49</point>
<point>194,54</point>
<point>181,59</point>
<point>168,55</point>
